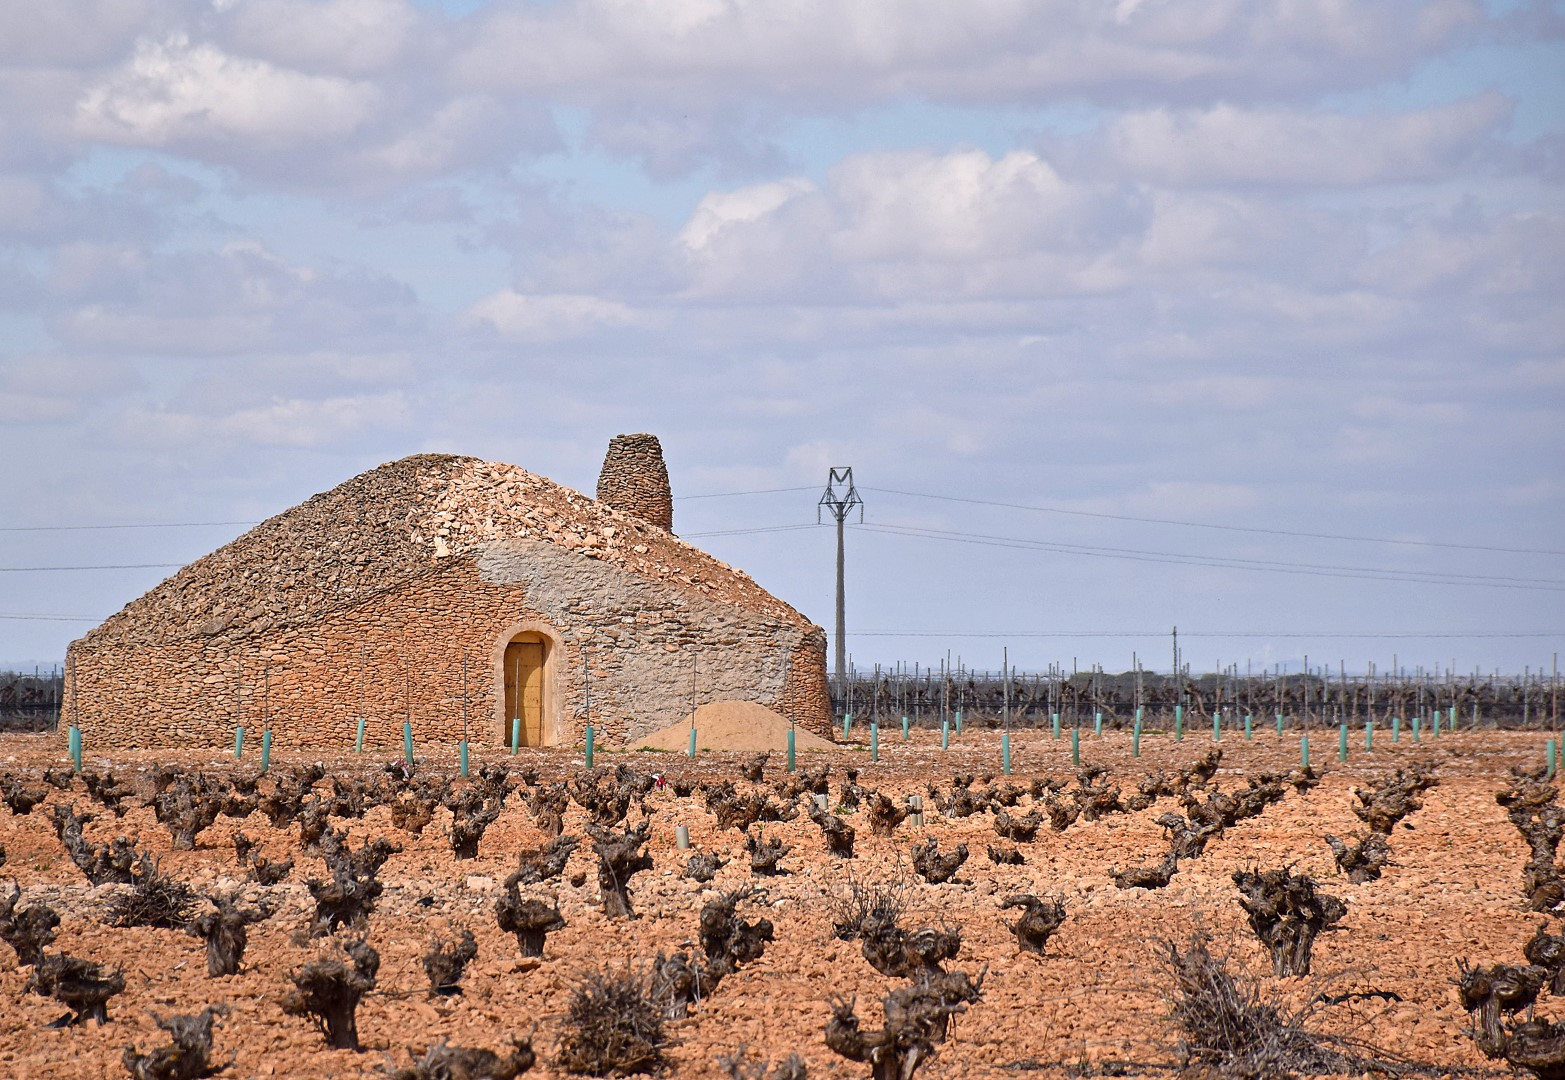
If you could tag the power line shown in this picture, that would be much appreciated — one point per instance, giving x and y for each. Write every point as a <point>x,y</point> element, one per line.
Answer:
<point>1196,634</point>
<point>1368,573</point>
<point>105,566</point>
<point>1223,560</point>
<point>152,525</point>
<point>1224,528</point>
<point>730,494</point>
<point>50,618</point>
<point>743,532</point>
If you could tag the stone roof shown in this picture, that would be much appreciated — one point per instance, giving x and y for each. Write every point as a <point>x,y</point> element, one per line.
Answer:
<point>397,522</point>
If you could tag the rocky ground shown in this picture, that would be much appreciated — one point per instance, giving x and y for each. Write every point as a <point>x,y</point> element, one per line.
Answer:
<point>1094,1002</point>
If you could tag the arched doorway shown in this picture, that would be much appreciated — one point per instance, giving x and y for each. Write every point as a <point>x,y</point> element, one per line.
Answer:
<point>526,679</point>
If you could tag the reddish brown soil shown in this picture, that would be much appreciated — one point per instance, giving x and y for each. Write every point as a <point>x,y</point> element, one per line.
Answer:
<point>1453,890</point>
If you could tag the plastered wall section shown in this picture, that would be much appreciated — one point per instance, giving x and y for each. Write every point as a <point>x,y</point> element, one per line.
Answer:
<point>400,655</point>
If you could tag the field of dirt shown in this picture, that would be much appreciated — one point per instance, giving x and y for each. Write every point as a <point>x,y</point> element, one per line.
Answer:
<point>1094,1002</point>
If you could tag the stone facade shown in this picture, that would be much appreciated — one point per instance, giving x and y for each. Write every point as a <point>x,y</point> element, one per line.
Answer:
<point>394,597</point>
<point>635,480</point>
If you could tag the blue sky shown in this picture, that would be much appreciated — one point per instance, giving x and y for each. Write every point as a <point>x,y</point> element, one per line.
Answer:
<point>1191,280</point>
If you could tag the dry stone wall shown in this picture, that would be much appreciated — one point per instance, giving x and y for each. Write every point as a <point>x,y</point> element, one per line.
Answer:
<point>651,647</point>
<point>368,597</point>
<point>400,655</point>
<point>635,479</point>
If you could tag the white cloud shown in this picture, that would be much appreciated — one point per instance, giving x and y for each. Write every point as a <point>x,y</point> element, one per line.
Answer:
<point>238,300</point>
<point>280,423</point>
<point>1227,144</point>
<point>718,210</point>
<point>961,206</point>
<point>907,223</point>
<point>176,90</point>
<point>317,423</point>
<point>821,50</point>
<point>80,32</point>
<point>344,37</point>
<point>542,319</point>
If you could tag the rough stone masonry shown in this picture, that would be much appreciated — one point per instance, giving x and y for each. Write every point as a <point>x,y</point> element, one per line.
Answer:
<point>635,479</point>
<point>395,595</point>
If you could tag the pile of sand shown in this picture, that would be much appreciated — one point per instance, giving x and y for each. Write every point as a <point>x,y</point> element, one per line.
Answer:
<point>733,725</point>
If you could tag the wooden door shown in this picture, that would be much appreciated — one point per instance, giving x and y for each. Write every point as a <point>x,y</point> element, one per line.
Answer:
<point>524,690</point>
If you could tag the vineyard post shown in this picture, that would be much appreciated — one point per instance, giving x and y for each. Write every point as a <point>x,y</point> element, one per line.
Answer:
<point>945,691</point>
<point>1005,735</point>
<point>239,681</point>
<point>1135,663</point>
<point>1304,691</point>
<point>407,719</point>
<point>1450,686</point>
<point>358,739</point>
<point>266,715</point>
<point>461,750</point>
<point>266,706</point>
<point>73,729</point>
<point>961,683</point>
<point>1075,697</point>
<point>73,737</point>
<point>902,694</point>
<point>1277,696</point>
<point>1249,697</point>
<point>516,703</point>
<point>692,751</point>
<point>847,711</point>
<point>1097,709</point>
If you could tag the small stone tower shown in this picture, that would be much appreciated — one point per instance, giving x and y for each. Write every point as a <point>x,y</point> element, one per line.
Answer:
<point>635,480</point>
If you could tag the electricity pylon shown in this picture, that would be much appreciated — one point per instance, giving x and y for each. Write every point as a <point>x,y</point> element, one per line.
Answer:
<point>840,503</point>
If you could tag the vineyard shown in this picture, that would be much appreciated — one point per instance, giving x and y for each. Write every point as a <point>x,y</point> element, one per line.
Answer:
<point>31,701</point>
<point>1320,696</point>
<point>1202,907</point>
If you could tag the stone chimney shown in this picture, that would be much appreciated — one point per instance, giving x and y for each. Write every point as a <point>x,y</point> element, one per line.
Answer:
<point>635,480</point>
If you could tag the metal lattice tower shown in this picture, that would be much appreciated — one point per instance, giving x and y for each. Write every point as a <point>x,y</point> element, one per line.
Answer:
<point>840,498</point>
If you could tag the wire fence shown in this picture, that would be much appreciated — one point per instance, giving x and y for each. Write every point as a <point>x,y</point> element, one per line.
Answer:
<point>928,696</point>
<point>30,701</point>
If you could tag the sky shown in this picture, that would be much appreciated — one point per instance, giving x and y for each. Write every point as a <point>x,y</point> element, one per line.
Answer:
<point>1241,316</point>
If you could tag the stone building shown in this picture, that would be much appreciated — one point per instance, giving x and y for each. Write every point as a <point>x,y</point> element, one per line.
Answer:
<point>460,595</point>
